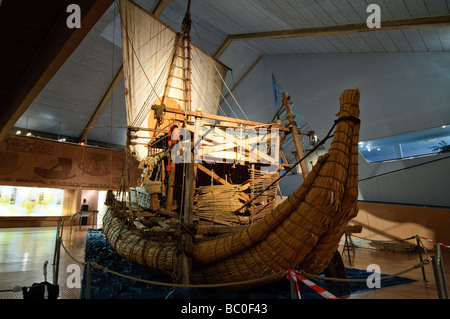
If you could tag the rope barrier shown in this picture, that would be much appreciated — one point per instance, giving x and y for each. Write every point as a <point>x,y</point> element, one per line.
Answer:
<point>246,282</point>
<point>435,242</point>
<point>175,285</point>
<point>236,283</point>
<point>385,241</point>
<point>83,263</point>
<point>300,273</point>
<point>405,239</point>
<point>417,237</point>
<point>416,266</point>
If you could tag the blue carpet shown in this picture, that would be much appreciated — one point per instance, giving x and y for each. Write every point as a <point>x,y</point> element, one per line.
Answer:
<point>108,286</point>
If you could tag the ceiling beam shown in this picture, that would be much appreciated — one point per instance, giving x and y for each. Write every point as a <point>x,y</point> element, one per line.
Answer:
<point>247,72</point>
<point>54,51</point>
<point>159,8</point>
<point>103,102</point>
<point>413,23</point>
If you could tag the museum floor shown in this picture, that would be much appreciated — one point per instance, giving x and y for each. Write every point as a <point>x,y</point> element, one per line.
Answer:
<point>23,252</point>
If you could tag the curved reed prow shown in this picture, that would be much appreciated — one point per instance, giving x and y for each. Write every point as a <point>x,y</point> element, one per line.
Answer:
<point>344,152</point>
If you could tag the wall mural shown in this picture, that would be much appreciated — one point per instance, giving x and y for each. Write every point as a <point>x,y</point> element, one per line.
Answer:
<point>28,161</point>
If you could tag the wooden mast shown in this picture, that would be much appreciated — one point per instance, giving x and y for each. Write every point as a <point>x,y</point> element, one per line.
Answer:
<point>294,131</point>
<point>185,243</point>
<point>186,30</point>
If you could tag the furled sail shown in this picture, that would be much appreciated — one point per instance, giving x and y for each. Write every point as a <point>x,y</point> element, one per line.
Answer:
<point>154,62</point>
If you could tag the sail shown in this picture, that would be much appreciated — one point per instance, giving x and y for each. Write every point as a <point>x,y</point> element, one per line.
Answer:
<point>155,71</point>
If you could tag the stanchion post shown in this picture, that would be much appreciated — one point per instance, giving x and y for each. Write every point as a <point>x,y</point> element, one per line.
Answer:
<point>347,246</point>
<point>293,287</point>
<point>57,254</point>
<point>88,280</point>
<point>441,265</point>
<point>419,248</point>
<point>436,276</point>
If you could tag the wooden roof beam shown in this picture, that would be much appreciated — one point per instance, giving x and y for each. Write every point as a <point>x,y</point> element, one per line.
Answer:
<point>159,8</point>
<point>55,50</point>
<point>103,103</point>
<point>413,23</point>
<point>250,69</point>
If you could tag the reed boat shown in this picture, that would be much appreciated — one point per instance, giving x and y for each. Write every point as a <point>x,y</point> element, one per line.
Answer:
<point>205,209</point>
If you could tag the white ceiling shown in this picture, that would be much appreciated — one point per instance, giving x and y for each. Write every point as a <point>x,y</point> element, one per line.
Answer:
<point>66,104</point>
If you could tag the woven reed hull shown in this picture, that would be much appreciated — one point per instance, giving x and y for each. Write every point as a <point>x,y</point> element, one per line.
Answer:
<point>302,232</point>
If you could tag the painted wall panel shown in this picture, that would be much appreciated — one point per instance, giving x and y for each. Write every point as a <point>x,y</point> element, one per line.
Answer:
<point>26,161</point>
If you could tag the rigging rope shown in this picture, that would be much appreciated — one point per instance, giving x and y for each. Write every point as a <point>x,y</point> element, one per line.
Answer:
<point>145,108</point>
<point>222,79</point>
<point>234,84</point>
<point>344,118</point>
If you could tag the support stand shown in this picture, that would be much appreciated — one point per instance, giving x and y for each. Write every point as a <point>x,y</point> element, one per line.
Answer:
<point>88,280</point>
<point>347,243</point>
<point>57,252</point>
<point>437,278</point>
<point>438,264</point>
<point>420,257</point>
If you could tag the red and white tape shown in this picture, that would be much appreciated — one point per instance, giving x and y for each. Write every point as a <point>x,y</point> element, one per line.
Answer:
<point>293,277</point>
<point>435,242</point>
<point>313,286</point>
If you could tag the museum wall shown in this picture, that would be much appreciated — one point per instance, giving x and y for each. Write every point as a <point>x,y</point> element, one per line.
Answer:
<point>390,222</point>
<point>42,181</point>
<point>422,181</point>
<point>399,93</point>
<point>28,161</point>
